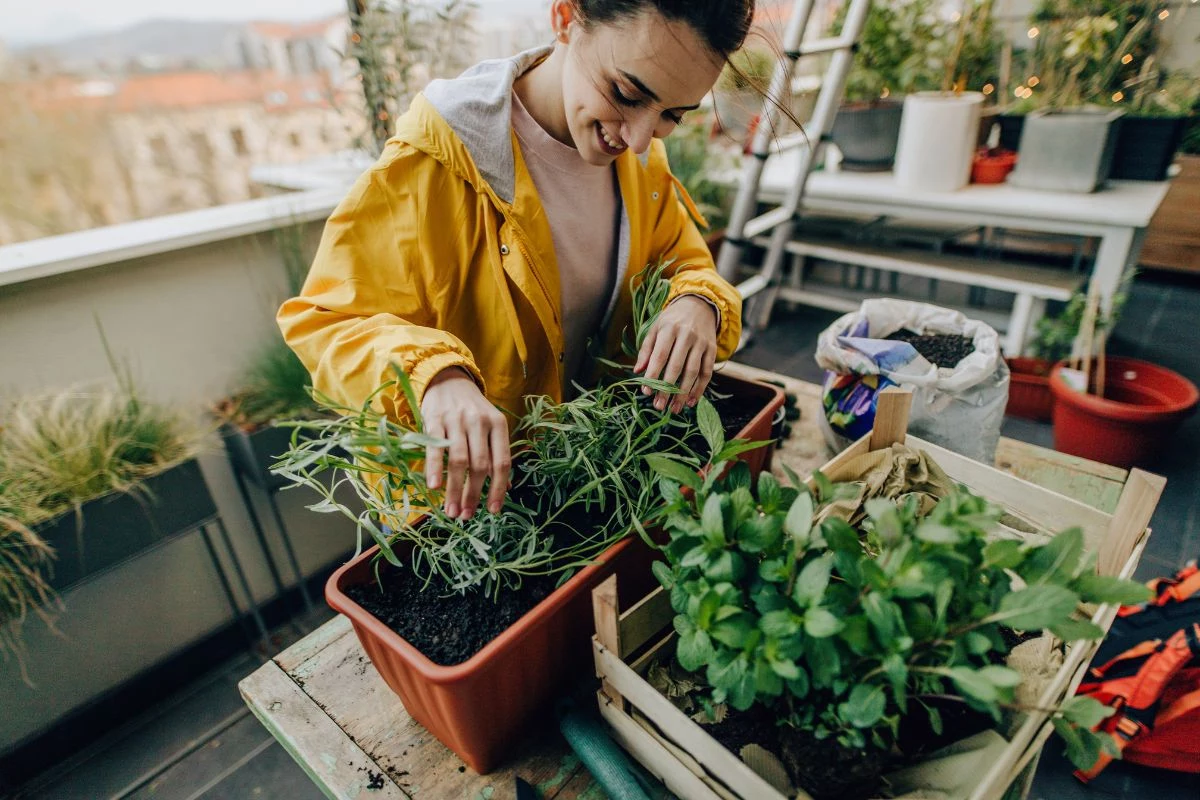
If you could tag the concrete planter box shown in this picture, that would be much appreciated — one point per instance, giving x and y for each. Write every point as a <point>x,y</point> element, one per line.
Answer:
<point>867,134</point>
<point>1067,151</point>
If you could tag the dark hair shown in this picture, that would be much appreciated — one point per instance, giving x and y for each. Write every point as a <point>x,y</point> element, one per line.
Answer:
<point>723,24</point>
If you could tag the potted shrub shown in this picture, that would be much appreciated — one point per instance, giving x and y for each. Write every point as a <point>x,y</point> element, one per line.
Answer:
<point>1153,128</point>
<point>476,624</point>
<point>99,475</point>
<point>940,129</point>
<point>828,634</point>
<point>24,559</point>
<point>1029,394</point>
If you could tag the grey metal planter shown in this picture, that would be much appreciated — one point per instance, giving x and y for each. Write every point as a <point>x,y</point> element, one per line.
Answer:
<point>867,133</point>
<point>1067,151</point>
<point>117,527</point>
<point>254,453</point>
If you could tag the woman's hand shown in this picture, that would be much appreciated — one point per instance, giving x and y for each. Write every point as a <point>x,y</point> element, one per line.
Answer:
<point>455,409</point>
<point>681,348</point>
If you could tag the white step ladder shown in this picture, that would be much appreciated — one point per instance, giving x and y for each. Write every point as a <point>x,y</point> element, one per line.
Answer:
<point>780,222</point>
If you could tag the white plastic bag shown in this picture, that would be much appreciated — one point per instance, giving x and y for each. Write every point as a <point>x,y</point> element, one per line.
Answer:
<point>960,408</point>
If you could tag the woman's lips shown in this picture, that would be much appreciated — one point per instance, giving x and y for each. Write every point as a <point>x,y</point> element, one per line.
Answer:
<point>605,146</point>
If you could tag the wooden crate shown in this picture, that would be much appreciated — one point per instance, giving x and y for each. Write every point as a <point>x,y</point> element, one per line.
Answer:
<point>695,766</point>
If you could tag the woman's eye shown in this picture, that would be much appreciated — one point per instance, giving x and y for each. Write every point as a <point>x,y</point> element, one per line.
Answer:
<point>622,98</point>
<point>674,118</point>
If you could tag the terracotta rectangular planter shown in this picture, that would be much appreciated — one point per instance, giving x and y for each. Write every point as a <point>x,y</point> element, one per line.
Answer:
<point>479,708</point>
<point>116,527</point>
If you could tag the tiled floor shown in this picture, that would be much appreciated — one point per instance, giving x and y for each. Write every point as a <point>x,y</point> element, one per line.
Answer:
<point>203,743</point>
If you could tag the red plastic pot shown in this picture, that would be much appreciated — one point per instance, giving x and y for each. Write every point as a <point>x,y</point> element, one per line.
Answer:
<point>992,166</point>
<point>1142,406</point>
<point>1029,395</point>
<point>479,708</point>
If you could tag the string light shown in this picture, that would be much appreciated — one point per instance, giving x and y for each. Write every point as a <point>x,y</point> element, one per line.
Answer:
<point>885,93</point>
<point>988,88</point>
<point>1118,97</point>
<point>1033,32</point>
<point>1166,12</point>
<point>1125,59</point>
<point>1034,80</point>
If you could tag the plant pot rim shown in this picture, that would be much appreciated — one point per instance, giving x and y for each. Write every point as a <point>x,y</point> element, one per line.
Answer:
<point>888,103</point>
<point>1077,112</point>
<point>1115,409</point>
<point>130,490</point>
<point>937,96</point>
<point>447,674</point>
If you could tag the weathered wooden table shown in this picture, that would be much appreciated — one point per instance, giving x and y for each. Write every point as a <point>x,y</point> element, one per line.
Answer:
<point>329,708</point>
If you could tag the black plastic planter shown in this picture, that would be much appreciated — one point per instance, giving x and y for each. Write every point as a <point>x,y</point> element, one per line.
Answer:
<point>1146,147</point>
<point>867,134</point>
<point>1010,130</point>
<point>116,527</point>
<point>254,453</point>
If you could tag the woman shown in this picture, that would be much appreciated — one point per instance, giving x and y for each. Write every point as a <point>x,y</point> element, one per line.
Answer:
<point>503,223</point>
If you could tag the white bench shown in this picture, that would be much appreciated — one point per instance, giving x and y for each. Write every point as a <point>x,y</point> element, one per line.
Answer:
<point>1032,285</point>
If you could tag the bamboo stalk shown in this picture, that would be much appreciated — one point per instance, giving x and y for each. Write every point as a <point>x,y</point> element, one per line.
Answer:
<point>1087,333</point>
<point>1100,364</point>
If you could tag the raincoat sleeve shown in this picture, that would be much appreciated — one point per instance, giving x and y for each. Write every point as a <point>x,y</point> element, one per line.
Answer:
<point>373,298</point>
<point>677,237</point>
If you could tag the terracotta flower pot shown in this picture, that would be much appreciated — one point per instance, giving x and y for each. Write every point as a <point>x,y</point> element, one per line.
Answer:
<point>1142,406</point>
<point>479,708</point>
<point>992,167</point>
<point>1029,395</point>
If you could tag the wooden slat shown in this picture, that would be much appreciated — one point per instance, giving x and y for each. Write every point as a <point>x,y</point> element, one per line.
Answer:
<point>1130,520</point>
<point>653,756</point>
<point>1090,482</point>
<point>1047,510</point>
<point>314,643</point>
<point>607,624</point>
<point>890,427</point>
<point>330,758</point>
<point>716,759</point>
<point>643,621</point>
<point>1019,278</point>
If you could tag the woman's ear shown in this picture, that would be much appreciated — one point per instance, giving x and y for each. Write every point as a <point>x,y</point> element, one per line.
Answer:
<point>562,16</point>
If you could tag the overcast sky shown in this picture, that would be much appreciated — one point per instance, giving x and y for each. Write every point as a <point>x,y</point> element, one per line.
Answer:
<point>24,21</point>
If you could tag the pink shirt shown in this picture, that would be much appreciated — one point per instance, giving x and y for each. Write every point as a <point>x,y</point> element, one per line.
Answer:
<point>582,204</point>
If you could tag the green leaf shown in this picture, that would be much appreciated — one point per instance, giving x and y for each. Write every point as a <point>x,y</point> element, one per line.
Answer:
<point>1056,561</point>
<point>1036,607</point>
<point>663,573</point>
<point>857,635</point>
<point>1004,677</point>
<point>820,623</point>
<point>1003,554</point>
<point>694,650</point>
<point>1072,630</point>
<point>864,707</point>
<point>768,492</point>
<point>734,631</point>
<point>1110,589</point>
<point>735,447</point>
<point>709,604</point>
<point>1087,712</point>
<point>669,491</point>
<point>743,504</point>
<point>773,571</point>
<point>935,533</point>
<point>976,643</point>
<point>840,536</point>
<point>709,422</point>
<point>673,470</point>
<point>725,566</point>
<point>739,477</point>
<point>799,519</point>
<point>792,477</point>
<point>712,520</point>
<point>880,613</point>
<point>896,669</point>
<point>812,581</point>
<point>694,557</point>
<point>823,485</point>
<point>767,682</point>
<point>799,685</point>
<point>788,670</point>
<point>761,534</point>
<point>779,624</point>
<point>1083,746</point>
<point>975,688</point>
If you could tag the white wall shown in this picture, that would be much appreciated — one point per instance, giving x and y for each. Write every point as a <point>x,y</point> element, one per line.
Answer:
<point>187,321</point>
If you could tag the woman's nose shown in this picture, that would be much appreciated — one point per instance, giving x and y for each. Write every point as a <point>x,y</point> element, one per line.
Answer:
<point>637,131</point>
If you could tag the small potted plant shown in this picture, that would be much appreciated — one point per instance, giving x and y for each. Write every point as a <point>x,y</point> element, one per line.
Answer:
<point>940,129</point>
<point>24,561</point>
<point>835,633</point>
<point>1154,125</point>
<point>99,474</point>
<point>893,59</point>
<point>476,624</point>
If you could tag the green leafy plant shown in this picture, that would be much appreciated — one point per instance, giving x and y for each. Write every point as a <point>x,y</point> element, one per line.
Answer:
<point>275,386</point>
<point>24,557</point>
<point>583,473</point>
<point>1055,335</point>
<point>842,630</point>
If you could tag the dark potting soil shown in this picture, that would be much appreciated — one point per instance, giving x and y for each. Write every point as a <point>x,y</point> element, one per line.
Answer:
<point>740,728</point>
<point>828,771</point>
<point>736,412</point>
<point>939,349</point>
<point>447,627</point>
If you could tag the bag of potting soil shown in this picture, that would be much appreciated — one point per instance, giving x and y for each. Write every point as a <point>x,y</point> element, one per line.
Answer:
<point>959,385</point>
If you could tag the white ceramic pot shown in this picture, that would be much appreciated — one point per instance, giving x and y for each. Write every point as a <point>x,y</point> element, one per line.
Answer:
<point>937,140</point>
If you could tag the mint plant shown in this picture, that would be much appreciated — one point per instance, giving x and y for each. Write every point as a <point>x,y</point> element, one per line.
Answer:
<point>842,631</point>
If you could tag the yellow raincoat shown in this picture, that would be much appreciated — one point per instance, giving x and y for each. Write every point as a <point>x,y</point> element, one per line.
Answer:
<point>441,256</point>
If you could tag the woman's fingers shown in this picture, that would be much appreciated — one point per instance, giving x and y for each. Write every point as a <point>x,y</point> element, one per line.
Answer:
<point>501,464</point>
<point>691,379</point>
<point>676,364</point>
<point>478,436</point>
<point>708,360</point>
<point>434,456</point>
<point>457,465</point>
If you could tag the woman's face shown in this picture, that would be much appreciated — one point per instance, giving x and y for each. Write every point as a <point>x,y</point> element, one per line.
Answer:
<point>629,81</point>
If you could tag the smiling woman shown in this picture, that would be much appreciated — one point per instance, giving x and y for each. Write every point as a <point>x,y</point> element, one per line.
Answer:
<point>501,228</point>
